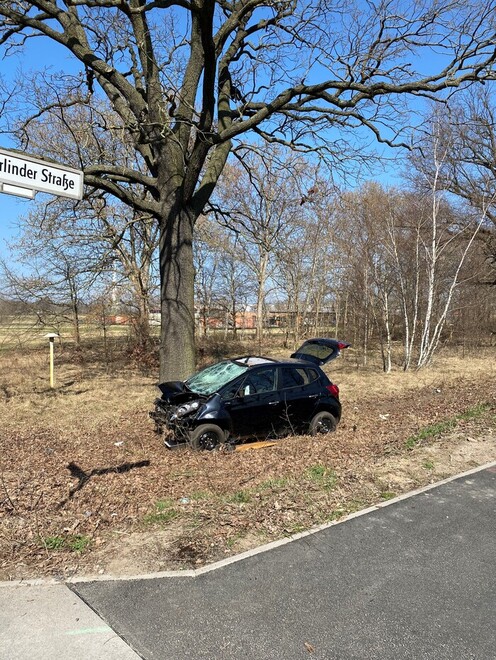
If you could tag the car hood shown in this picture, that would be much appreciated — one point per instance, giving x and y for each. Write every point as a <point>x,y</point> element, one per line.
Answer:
<point>320,350</point>
<point>175,392</point>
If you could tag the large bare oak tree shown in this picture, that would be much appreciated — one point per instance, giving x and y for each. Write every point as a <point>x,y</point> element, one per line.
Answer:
<point>190,78</point>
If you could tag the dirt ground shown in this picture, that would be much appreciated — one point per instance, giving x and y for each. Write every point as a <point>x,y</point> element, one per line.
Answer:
<point>87,488</point>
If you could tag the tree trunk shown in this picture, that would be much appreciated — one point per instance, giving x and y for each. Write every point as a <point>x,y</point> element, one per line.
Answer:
<point>262,278</point>
<point>177,334</point>
<point>366,319</point>
<point>142,324</point>
<point>141,321</point>
<point>387,327</point>
<point>337,317</point>
<point>234,312</point>
<point>75,314</point>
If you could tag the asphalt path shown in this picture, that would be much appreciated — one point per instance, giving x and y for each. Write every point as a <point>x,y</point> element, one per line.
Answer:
<point>414,579</point>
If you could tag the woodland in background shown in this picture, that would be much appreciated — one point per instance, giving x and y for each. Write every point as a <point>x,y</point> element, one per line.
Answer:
<point>376,266</point>
<point>282,249</point>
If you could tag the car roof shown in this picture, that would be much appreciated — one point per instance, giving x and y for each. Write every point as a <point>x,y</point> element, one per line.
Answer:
<point>258,360</point>
<point>253,360</point>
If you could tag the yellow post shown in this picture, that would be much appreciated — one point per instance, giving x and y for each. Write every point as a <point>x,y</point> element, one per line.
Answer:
<point>51,363</point>
<point>51,338</point>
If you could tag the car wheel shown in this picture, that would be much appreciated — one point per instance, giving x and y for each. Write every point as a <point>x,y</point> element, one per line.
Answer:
<point>207,436</point>
<point>322,422</point>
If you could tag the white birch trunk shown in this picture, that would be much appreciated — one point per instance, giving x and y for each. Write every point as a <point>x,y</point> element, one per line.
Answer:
<point>432,328</point>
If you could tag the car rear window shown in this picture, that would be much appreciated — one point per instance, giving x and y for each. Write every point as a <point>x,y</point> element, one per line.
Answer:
<point>296,377</point>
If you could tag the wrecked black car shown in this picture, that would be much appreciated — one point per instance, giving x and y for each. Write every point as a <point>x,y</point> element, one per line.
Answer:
<point>252,397</point>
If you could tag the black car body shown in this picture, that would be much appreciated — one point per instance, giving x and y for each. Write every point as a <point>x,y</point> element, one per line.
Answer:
<point>252,396</point>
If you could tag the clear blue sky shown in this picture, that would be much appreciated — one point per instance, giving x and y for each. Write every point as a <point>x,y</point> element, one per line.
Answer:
<point>10,209</point>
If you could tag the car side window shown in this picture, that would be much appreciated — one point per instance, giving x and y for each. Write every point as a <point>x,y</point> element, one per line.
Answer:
<point>257,382</point>
<point>294,377</point>
<point>231,390</point>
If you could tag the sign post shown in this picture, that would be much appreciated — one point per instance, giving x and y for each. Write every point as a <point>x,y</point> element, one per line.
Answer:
<point>24,175</point>
<point>51,338</point>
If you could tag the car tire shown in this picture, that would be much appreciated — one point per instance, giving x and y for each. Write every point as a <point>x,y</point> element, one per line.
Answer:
<point>321,423</point>
<point>207,437</point>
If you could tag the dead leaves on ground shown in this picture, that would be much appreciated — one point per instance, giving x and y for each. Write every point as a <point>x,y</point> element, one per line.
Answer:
<point>66,494</point>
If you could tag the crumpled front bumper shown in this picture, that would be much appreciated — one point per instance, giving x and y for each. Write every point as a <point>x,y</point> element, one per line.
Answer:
<point>160,415</point>
<point>165,418</point>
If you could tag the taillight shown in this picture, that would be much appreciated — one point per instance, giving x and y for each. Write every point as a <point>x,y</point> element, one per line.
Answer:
<point>333,390</point>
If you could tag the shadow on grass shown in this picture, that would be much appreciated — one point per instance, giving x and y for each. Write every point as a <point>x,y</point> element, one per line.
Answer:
<point>61,390</point>
<point>83,477</point>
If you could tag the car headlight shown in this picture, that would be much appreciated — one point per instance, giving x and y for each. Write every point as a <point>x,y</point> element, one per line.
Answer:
<point>187,408</point>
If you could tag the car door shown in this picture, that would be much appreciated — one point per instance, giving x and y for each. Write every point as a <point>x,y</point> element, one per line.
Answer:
<point>255,408</point>
<point>299,391</point>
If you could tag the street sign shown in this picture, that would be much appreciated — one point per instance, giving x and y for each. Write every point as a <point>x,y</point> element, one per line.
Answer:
<point>24,175</point>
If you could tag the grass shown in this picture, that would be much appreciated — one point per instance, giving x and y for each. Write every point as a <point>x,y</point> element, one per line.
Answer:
<point>79,543</point>
<point>429,432</point>
<point>28,332</point>
<point>296,528</point>
<point>76,543</point>
<point>200,495</point>
<point>239,497</point>
<point>85,397</point>
<point>274,484</point>
<point>164,512</point>
<point>54,542</point>
<point>475,412</point>
<point>322,476</point>
<point>434,430</point>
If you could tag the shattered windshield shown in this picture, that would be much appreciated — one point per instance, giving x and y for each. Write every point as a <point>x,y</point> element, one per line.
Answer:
<point>211,379</point>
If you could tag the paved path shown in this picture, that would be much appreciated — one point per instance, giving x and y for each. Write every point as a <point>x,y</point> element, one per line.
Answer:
<point>412,580</point>
<point>415,579</point>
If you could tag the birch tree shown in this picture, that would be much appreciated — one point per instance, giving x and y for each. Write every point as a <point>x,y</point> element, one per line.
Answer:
<point>207,261</point>
<point>368,267</point>
<point>444,234</point>
<point>404,220</point>
<point>440,236</point>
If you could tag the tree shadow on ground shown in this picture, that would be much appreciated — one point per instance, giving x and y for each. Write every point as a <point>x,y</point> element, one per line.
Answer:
<point>83,477</point>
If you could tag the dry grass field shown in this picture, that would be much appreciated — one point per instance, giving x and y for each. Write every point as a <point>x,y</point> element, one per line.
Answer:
<point>86,487</point>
